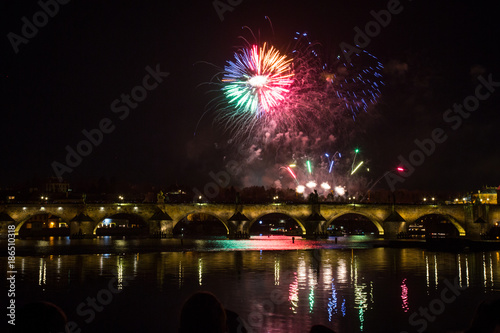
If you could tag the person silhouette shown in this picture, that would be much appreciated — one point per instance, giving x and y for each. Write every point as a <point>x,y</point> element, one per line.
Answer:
<point>486,318</point>
<point>202,313</point>
<point>40,317</point>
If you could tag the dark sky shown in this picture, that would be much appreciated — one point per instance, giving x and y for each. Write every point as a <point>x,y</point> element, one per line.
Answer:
<point>64,79</point>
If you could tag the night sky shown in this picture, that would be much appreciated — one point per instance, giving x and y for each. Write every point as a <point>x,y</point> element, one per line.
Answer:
<point>65,78</point>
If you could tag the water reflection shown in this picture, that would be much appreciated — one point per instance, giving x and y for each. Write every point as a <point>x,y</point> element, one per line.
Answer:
<point>491,273</point>
<point>427,273</point>
<point>200,271</point>
<point>332,302</point>
<point>276,271</point>
<point>181,274</point>
<point>459,270</point>
<point>119,267</point>
<point>435,271</point>
<point>404,296</point>
<point>349,290</point>
<point>42,272</point>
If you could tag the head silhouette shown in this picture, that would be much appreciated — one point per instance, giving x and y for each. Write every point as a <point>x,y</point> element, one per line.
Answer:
<point>40,317</point>
<point>486,318</point>
<point>202,312</point>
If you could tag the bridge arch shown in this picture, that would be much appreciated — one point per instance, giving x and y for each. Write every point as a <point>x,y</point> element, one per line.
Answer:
<point>194,212</point>
<point>449,218</point>
<point>25,217</point>
<point>259,217</point>
<point>371,218</point>
<point>40,223</point>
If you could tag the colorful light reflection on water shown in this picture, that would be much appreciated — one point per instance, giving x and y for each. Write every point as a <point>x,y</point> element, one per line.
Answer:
<point>288,288</point>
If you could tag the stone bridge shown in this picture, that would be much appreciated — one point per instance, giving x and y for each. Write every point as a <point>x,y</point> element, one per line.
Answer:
<point>470,220</point>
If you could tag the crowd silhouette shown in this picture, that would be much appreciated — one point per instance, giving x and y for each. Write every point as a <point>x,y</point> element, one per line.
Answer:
<point>202,312</point>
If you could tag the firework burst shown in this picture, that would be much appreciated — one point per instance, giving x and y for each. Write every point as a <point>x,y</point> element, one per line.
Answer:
<point>295,103</point>
<point>356,84</point>
<point>257,81</point>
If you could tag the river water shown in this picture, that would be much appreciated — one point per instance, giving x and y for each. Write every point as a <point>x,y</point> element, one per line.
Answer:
<point>274,284</point>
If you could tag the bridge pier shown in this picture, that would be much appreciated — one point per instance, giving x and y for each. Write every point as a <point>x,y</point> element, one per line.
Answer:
<point>314,229</point>
<point>392,229</point>
<point>84,229</point>
<point>238,229</point>
<point>161,228</point>
<point>393,225</point>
